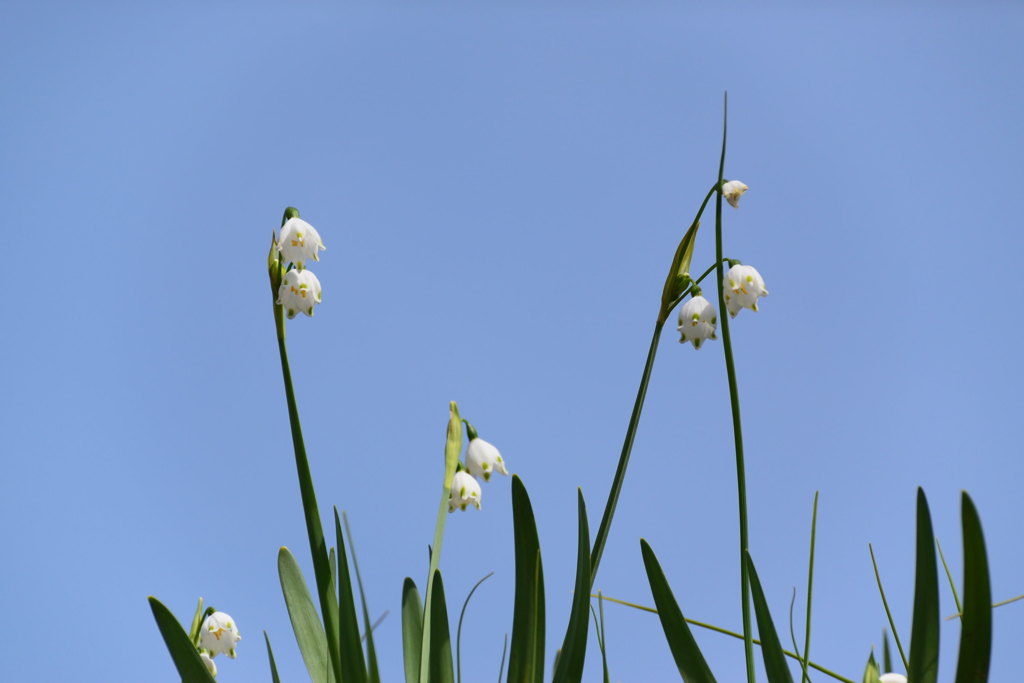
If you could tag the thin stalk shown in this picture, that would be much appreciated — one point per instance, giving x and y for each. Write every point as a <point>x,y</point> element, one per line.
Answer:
<point>627,447</point>
<point>888,613</point>
<point>810,584</point>
<point>734,401</point>
<point>727,632</point>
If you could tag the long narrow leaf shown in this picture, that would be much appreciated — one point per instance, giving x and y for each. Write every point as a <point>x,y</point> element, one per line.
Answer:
<point>886,652</point>
<point>458,630</point>
<point>184,654</point>
<point>888,612</point>
<point>871,673</point>
<point>412,630</point>
<point>372,671</point>
<point>273,665</point>
<point>526,654</point>
<point>689,660</point>
<point>574,645</point>
<point>309,631</point>
<point>353,667</point>
<point>976,624</point>
<point>924,631</point>
<point>440,668</point>
<point>771,649</point>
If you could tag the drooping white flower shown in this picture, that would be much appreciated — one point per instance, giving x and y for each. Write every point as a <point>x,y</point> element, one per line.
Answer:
<point>208,661</point>
<point>697,321</point>
<point>732,191</point>
<point>300,291</point>
<point>219,634</point>
<point>299,242</point>
<point>743,286</point>
<point>482,458</point>
<point>465,490</point>
<point>892,678</point>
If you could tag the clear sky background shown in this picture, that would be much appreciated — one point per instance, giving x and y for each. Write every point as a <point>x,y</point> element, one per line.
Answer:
<point>501,188</point>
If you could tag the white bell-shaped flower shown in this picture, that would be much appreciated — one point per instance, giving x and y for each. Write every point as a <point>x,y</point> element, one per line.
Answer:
<point>892,678</point>
<point>299,241</point>
<point>465,491</point>
<point>697,321</point>
<point>743,286</point>
<point>208,661</point>
<point>732,191</point>
<point>300,291</point>
<point>219,635</point>
<point>482,458</point>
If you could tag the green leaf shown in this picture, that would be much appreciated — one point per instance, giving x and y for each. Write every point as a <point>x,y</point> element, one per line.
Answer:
<point>976,622</point>
<point>373,673</point>
<point>676,282</point>
<point>771,649</point>
<point>412,630</point>
<point>923,665</point>
<point>270,655</point>
<point>574,645</point>
<point>353,667</point>
<point>458,630</point>
<point>184,654</point>
<point>526,654</point>
<point>689,660</point>
<point>309,632</point>
<point>440,670</point>
<point>871,672</point>
<point>886,652</point>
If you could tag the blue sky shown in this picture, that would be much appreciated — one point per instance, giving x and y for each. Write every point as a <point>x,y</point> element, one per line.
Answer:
<point>501,188</point>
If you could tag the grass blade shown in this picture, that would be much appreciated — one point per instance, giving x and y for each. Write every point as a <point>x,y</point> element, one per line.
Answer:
<point>504,654</point>
<point>440,667</point>
<point>309,632</point>
<point>924,631</point>
<point>458,631</point>
<point>886,652</point>
<point>601,639</point>
<point>771,649</point>
<point>871,672</point>
<point>810,585</point>
<point>350,644</point>
<point>412,630</point>
<point>373,672</point>
<point>888,612</point>
<point>976,623</point>
<point>273,665</point>
<point>949,577</point>
<point>184,654</point>
<point>689,660</point>
<point>574,645</point>
<point>526,654</point>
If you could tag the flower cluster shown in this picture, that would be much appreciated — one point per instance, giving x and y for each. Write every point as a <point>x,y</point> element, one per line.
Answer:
<point>482,460</point>
<point>218,635</point>
<point>297,243</point>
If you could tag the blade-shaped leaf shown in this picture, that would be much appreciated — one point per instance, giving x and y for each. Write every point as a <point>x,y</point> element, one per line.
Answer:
<point>309,632</point>
<point>412,630</point>
<point>458,630</point>
<point>886,652</point>
<point>689,660</point>
<point>923,663</point>
<point>574,645</point>
<point>440,669</point>
<point>184,654</point>
<point>353,667</point>
<point>976,623</point>
<point>871,672</point>
<point>526,654</point>
<point>372,673</point>
<point>273,665</point>
<point>771,648</point>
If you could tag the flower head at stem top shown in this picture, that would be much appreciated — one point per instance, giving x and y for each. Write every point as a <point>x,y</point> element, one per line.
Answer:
<point>299,241</point>
<point>697,320</point>
<point>482,458</point>
<point>299,292</point>
<point>465,491</point>
<point>732,191</point>
<point>218,634</point>
<point>742,287</point>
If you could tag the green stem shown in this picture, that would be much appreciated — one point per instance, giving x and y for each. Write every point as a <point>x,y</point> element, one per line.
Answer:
<point>888,613</point>
<point>627,447</point>
<point>810,585</point>
<point>734,400</point>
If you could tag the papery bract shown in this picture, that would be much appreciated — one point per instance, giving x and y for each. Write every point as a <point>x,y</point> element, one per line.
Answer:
<point>219,634</point>
<point>299,241</point>
<point>732,191</point>
<point>465,490</point>
<point>743,286</point>
<point>300,291</point>
<point>482,458</point>
<point>697,321</point>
